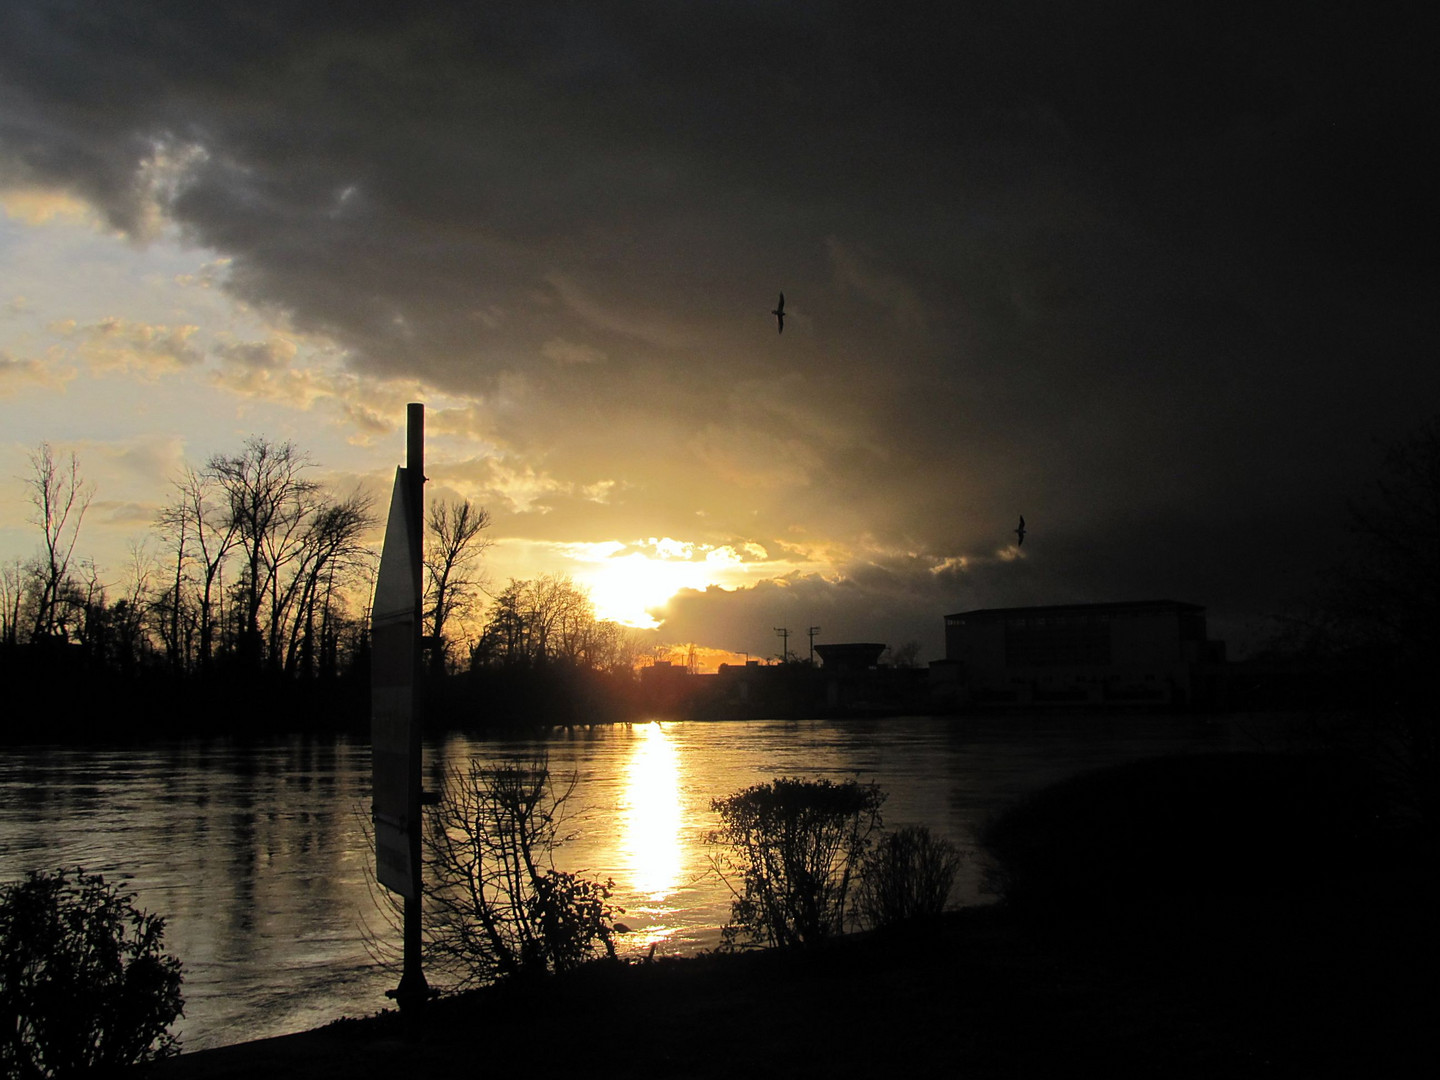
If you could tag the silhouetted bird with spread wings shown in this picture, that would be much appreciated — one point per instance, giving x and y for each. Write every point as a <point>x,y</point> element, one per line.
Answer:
<point>779,314</point>
<point>1020,532</point>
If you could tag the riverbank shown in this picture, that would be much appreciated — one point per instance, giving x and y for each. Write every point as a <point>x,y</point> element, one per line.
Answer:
<point>1195,915</point>
<point>981,993</point>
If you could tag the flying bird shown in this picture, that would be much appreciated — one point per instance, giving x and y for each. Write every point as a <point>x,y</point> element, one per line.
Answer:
<point>1020,531</point>
<point>779,314</point>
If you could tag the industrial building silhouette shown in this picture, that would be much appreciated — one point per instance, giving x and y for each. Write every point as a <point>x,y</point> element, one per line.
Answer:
<point>1143,653</point>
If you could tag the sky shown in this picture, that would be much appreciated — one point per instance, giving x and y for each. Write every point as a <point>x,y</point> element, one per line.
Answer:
<point>1159,277</point>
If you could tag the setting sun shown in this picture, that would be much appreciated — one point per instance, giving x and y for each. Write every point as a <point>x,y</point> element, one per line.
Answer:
<point>627,581</point>
<point>624,588</point>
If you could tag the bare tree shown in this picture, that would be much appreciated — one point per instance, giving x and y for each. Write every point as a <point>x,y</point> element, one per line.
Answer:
<point>563,617</point>
<point>12,599</point>
<point>83,601</point>
<point>128,620</point>
<point>497,906</point>
<point>298,549</point>
<point>615,648</point>
<point>268,500</point>
<point>452,578</point>
<point>173,523</point>
<point>60,498</point>
<point>331,548</point>
<point>537,621</point>
<point>1376,613</point>
<point>1386,593</point>
<point>505,639</point>
<point>550,619</point>
<point>213,535</point>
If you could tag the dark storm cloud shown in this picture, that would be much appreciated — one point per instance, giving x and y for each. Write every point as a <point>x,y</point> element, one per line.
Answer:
<point>1153,275</point>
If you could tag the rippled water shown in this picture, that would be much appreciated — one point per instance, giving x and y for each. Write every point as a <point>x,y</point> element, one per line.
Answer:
<point>256,852</point>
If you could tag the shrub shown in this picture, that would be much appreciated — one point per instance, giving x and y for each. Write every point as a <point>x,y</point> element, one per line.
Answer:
<point>796,845</point>
<point>495,906</point>
<point>908,875</point>
<point>84,982</point>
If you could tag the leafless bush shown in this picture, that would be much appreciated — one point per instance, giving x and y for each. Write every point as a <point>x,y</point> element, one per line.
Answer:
<point>796,845</point>
<point>495,906</point>
<point>908,875</point>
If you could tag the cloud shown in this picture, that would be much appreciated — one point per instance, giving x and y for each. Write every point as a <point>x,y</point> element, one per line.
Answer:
<point>212,274</point>
<point>40,206</point>
<point>273,354</point>
<point>628,318</point>
<point>20,374</point>
<point>566,352</point>
<point>302,374</point>
<point>124,515</point>
<point>857,274</point>
<point>519,488</point>
<point>845,609</point>
<point>115,345</point>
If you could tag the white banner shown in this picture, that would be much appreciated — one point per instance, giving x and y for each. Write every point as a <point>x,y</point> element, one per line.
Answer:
<point>394,643</point>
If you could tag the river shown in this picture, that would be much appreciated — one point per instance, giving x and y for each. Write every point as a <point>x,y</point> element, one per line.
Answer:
<point>256,851</point>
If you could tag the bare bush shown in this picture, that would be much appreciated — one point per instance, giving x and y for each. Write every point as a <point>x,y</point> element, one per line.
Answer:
<point>796,845</point>
<point>908,875</point>
<point>496,907</point>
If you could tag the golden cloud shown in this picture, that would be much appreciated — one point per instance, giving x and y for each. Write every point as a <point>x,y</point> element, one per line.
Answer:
<point>116,345</point>
<point>41,206</point>
<point>17,374</point>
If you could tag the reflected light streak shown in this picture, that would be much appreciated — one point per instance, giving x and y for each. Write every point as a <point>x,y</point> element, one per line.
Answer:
<point>652,814</point>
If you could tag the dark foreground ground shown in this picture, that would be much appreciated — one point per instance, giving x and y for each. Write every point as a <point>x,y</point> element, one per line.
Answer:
<point>1206,916</point>
<point>977,995</point>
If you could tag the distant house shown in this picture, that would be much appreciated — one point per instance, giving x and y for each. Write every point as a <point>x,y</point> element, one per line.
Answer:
<point>1143,653</point>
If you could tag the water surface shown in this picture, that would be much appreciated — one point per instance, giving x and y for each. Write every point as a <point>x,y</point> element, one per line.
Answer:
<point>256,851</point>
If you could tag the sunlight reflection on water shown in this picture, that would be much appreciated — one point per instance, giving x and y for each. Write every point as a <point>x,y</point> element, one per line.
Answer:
<point>651,815</point>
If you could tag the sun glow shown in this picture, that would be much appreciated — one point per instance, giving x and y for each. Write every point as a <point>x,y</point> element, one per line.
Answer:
<point>624,588</point>
<point>626,582</point>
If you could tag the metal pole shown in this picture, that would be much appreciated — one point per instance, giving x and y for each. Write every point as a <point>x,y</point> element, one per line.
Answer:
<point>413,990</point>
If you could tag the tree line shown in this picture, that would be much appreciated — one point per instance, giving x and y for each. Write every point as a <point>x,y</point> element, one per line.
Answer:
<point>252,564</point>
<point>258,577</point>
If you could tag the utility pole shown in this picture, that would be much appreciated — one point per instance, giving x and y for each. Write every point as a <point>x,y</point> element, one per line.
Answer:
<point>783,633</point>
<point>413,991</point>
<point>812,632</point>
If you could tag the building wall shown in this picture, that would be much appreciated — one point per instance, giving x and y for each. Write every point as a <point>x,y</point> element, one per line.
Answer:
<point>1147,653</point>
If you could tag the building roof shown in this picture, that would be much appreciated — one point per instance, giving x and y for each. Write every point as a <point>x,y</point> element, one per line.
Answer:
<point>1111,607</point>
